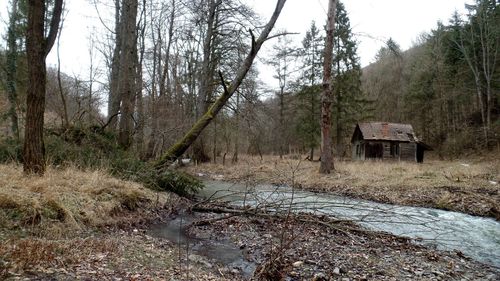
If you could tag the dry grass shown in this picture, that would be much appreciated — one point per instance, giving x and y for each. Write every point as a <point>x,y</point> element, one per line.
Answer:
<point>67,201</point>
<point>464,186</point>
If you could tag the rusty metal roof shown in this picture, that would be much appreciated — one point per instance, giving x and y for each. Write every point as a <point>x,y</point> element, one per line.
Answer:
<point>387,131</point>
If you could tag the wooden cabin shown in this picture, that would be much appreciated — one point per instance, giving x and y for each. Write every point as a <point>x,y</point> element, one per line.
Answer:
<point>387,141</point>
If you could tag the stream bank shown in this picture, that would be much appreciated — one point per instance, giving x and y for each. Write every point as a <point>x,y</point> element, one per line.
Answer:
<point>313,251</point>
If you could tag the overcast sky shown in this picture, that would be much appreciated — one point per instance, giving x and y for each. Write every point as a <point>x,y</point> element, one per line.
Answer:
<point>373,22</point>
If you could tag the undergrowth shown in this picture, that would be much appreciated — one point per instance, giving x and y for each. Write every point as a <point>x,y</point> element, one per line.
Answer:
<point>92,149</point>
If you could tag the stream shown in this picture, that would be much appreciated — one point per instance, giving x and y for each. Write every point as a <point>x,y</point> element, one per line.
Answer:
<point>475,237</point>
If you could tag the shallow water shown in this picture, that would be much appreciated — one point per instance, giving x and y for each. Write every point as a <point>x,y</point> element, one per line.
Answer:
<point>476,237</point>
<point>224,252</point>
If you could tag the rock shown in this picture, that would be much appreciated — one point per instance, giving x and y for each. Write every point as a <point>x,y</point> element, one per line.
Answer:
<point>200,260</point>
<point>320,276</point>
<point>336,271</point>
<point>298,263</point>
<point>267,235</point>
<point>438,273</point>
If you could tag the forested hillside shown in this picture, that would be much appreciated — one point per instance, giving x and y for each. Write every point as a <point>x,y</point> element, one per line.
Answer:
<point>447,85</point>
<point>200,142</point>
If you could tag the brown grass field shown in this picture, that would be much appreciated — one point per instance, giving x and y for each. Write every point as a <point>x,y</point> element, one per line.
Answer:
<point>466,186</point>
<point>64,202</point>
<point>86,225</point>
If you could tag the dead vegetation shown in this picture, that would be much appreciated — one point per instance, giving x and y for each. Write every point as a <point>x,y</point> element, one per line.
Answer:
<point>83,225</point>
<point>467,186</point>
<point>65,202</point>
<point>315,251</point>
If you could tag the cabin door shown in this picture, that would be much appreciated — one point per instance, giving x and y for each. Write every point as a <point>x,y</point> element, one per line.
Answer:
<point>374,150</point>
<point>420,154</point>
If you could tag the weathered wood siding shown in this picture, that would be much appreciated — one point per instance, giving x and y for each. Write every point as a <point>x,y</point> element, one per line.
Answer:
<point>408,151</point>
<point>387,151</point>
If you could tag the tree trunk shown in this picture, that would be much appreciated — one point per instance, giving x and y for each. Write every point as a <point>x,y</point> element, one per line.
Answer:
<point>127,81</point>
<point>237,130</point>
<point>282,123</point>
<point>327,94</point>
<point>150,150</point>
<point>206,80</point>
<point>175,151</point>
<point>37,49</point>
<point>114,98</point>
<point>12,70</point>
<point>139,139</point>
<point>59,84</point>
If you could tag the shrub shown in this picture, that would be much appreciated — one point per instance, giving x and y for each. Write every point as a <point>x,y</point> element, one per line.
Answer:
<point>89,148</point>
<point>10,150</point>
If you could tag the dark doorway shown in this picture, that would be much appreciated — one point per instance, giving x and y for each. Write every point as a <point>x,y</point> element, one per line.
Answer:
<point>420,153</point>
<point>374,150</point>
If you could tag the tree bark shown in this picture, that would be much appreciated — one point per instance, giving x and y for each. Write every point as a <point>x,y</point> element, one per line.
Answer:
<point>327,94</point>
<point>59,84</point>
<point>127,81</point>
<point>139,137</point>
<point>206,80</point>
<point>12,70</point>
<point>37,49</point>
<point>114,98</point>
<point>175,151</point>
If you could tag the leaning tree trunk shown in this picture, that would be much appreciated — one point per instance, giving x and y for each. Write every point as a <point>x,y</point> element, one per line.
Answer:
<point>175,151</point>
<point>37,49</point>
<point>327,95</point>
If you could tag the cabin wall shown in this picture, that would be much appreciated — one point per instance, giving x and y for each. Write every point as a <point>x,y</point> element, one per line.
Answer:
<point>408,151</point>
<point>358,150</point>
<point>387,151</point>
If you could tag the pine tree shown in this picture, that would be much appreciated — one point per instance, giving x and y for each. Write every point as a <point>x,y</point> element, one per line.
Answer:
<point>347,82</point>
<point>307,125</point>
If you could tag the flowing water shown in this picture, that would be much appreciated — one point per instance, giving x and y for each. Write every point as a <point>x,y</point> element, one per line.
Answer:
<point>476,237</point>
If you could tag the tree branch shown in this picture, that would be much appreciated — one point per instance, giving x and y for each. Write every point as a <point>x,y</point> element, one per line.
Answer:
<point>54,26</point>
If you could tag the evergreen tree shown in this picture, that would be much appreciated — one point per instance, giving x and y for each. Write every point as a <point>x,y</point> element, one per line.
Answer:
<point>348,103</point>
<point>308,112</point>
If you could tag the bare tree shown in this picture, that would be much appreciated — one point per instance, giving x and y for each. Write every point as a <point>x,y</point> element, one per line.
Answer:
<point>37,48</point>
<point>281,62</point>
<point>127,73</point>
<point>176,150</point>
<point>327,95</point>
<point>114,96</point>
<point>12,54</point>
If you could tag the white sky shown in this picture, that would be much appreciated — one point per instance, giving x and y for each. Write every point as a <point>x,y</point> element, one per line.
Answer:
<point>373,21</point>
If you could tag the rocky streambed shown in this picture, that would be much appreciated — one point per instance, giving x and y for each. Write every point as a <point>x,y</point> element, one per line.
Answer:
<point>296,248</point>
